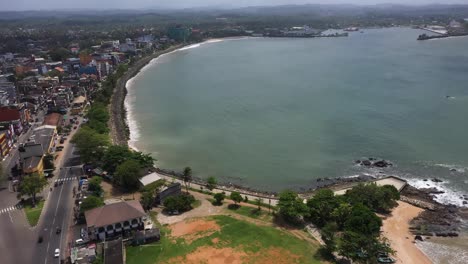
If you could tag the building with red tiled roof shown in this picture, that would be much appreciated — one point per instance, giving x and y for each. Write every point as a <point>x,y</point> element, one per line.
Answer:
<point>11,115</point>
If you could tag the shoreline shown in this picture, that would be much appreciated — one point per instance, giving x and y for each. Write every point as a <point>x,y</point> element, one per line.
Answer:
<point>118,124</point>
<point>125,131</point>
<point>396,228</point>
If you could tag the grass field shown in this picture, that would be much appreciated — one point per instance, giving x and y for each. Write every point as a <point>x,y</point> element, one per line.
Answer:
<point>252,212</point>
<point>33,214</point>
<point>241,240</point>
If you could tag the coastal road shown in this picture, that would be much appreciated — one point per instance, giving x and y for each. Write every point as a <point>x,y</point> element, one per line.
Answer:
<point>57,213</point>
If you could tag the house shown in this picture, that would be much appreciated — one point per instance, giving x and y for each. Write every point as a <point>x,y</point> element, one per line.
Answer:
<point>171,190</point>
<point>11,115</point>
<point>45,135</point>
<point>150,178</point>
<point>31,158</point>
<point>114,219</point>
<point>6,142</point>
<point>78,105</point>
<point>53,119</point>
<point>113,252</point>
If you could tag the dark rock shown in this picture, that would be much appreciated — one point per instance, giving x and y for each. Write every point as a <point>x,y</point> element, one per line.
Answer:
<point>425,180</point>
<point>432,190</point>
<point>358,161</point>
<point>453,169</point>
<point>418,237</point>
<point>436,180</point>
<point>371,158</point>
<point>366,163</point>
<point>465,202</point>
<point>382,164</point>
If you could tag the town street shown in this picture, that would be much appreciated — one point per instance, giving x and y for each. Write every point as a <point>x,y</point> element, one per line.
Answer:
<point>18,241</point>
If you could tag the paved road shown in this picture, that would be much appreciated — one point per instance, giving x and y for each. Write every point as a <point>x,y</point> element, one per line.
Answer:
<point>57,214</point>
<point>18,241</point>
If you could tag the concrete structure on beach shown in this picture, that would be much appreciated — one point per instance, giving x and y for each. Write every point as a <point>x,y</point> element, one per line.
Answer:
<point>398,183</point>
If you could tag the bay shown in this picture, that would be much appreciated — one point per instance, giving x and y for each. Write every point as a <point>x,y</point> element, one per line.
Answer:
<point>280,113</point>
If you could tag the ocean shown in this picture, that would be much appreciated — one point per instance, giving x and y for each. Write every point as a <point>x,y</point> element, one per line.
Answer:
<point>277,113</point>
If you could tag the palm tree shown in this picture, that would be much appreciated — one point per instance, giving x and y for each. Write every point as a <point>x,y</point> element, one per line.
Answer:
<point>187,177</point>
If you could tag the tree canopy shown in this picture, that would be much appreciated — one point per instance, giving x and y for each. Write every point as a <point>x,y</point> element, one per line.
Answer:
<point>31,185</point>
<point>377,198</point>
<point>236,197</point>
<point>180,203</point>
<point>291,208</point>
<point>90,203</point>
<point>127,175</point>
<point>211,183</point>
<point>321,206</point>
<point>91,145</point>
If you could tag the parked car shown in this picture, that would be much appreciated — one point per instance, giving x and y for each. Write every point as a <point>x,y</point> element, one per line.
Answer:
<point>58,230</point>
<point>80,241</point>
<point>386,260</point>
<point>57,253</point>
<point>39,239</point>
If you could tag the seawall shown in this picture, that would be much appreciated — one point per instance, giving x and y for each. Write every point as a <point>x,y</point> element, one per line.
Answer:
<point>118,121</point>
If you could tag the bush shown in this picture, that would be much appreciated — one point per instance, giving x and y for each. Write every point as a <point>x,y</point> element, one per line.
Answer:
<point>179,203</point>
<point>219,197</point>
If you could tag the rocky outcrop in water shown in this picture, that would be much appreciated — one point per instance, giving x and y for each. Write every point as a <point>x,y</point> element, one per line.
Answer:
<point>373,162</point>
<point>437,219</point>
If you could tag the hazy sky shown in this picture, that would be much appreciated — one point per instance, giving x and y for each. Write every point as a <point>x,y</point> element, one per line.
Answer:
<point>137,4</point>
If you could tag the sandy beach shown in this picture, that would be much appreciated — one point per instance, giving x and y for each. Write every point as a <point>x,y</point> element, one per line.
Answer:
<point>396,229</point>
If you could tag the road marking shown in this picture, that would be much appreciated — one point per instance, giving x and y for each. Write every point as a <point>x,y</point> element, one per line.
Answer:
<point>11,208</point>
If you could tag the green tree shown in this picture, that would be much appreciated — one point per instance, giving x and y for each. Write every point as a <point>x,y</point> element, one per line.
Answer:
<point>291,207</point>
<point>187,177</point>
<point>147,200</point>
<point>49,162</point>
<point>91,202</point>
<point>91,145</point>
<point>211,183</point>
<point>328,234</point>
<point>321,206</point>
<point>180,203</point>
<point>362,248</point>
<point>236,197</point>
<point>219,197</point>
<point>258,201</point>
<point>363,221</point>
<point>31,185</point>
<point>341,214</point>
<point>377,198</point>
<point>115,155</point>
<point>59,54</point>
<point>127,175</point>
<point>95,185</point>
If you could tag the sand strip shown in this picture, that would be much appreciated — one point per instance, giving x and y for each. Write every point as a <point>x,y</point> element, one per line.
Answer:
<point>396,229</point>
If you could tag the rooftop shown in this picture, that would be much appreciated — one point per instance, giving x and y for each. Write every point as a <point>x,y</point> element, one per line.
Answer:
<point>150,178</point>
<point>114,213</point>
<point>113,252</point>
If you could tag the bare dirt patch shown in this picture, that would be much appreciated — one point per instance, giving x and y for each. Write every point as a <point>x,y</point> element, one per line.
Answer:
<point>215,240</point>
<point>211,255</point>
<point>273,255</point>
<point>192,230</point>
<point>111,192</point>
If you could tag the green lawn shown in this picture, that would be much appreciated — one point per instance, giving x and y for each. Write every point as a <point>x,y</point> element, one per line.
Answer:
<point>252,212</point>
<point>236,234</point>
<point>33,214</point>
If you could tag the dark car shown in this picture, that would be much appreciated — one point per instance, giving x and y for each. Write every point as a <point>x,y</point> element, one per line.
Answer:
<point>39,239</point>
<point>58,230</point>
